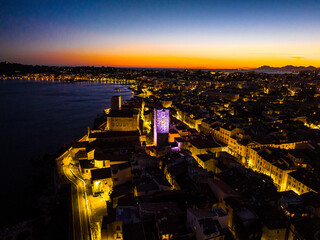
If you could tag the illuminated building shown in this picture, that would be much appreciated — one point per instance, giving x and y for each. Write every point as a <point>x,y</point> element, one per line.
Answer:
<point>102,182</point>
<point>225,95</point>
<point>271,162</point>
<point>111,230</point>
<point>303,181</point>
<point>173,134</point>
<point>121,119</point>
<point>199,145</point>
<point>161,127</point>
<point>206,161</point>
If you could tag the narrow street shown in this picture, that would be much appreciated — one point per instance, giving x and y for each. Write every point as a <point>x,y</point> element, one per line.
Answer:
<point>80,209</point>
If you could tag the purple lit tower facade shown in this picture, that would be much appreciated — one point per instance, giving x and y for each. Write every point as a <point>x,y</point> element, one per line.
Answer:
<point>161,127</point>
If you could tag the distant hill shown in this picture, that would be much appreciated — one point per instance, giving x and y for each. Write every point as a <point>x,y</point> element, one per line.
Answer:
<point>13,68</point>
<point>288,68</point>
<point>8,68</point>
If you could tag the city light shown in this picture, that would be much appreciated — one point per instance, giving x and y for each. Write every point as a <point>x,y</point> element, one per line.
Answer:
<point>160,120</point>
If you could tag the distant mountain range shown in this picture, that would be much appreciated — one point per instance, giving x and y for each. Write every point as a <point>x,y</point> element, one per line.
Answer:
<point>7,67</point>
<point>288,68</point>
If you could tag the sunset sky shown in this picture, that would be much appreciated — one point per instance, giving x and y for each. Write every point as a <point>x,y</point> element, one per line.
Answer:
<point>184,34</point>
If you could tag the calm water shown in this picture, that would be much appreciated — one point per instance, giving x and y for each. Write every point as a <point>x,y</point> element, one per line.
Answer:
<point>38,117</point>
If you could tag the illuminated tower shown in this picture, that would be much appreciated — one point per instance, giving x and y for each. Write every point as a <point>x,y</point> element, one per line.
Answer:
<point>116,103</point>
<point>161,127</point>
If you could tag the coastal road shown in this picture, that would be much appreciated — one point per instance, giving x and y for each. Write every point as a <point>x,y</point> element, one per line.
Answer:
<point>80,209</point>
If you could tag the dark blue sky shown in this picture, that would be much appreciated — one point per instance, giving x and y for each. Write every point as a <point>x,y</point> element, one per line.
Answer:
<point>160,32</point>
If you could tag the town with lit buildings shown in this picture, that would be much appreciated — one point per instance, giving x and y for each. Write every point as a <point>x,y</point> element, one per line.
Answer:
<point>236,156</point>
<point>160,120</point>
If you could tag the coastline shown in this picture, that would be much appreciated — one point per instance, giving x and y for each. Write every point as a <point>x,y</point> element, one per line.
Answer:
<point>120,81</point>
<point>43,171</point>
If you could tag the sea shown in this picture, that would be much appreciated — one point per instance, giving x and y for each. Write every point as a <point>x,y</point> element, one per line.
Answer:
<point>39,118</point>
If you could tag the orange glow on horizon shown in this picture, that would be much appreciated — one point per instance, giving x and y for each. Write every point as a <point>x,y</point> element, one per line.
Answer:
<point>126,57</point>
